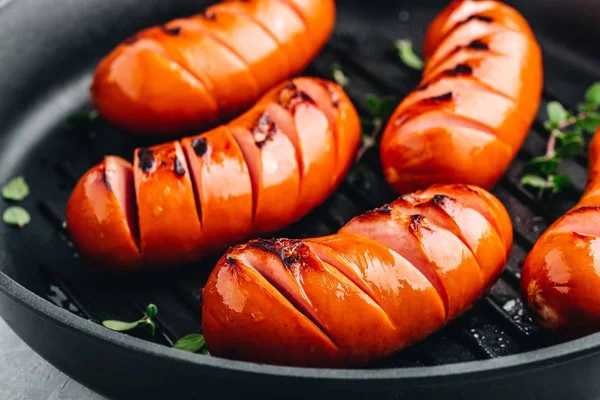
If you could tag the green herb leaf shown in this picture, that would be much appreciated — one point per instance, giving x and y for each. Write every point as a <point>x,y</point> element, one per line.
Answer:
<point>536,181</point>
<point>380,107</point>
<point>83,117</point>
<point>193,342</point>
<point>556,114</point>
<point>407,54</point>
<point>387,107</point>
<point>591,123</point>
<point>569,145</point>
<point>339,76</point>
<point>16,216</point>
<point>151,310</point>
<point>373,103</point>
<point>560,183</point>
<point>592,95</point>
<point>542,165</point>
<point>16,189</point>
<point>120,326</point>
<point>148,324</point>
<point>145,322</point>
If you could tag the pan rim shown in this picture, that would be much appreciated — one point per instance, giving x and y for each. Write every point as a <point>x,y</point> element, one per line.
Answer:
<point>552,356</point>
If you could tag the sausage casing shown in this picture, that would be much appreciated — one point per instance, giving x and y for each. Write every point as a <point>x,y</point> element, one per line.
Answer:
<point>193,72</point>
<point>185,199</point>
<point>478,97</point>
<point>387,279</point>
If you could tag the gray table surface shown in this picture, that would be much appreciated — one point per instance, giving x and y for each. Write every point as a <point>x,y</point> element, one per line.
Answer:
<point>24,375</point>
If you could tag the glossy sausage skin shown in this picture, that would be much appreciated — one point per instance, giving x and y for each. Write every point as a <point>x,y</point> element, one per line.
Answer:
<point>387,279</point>
<point>185,199</point>
<point>560,281</point>
<point>191,73</point>
<point>479,95</point>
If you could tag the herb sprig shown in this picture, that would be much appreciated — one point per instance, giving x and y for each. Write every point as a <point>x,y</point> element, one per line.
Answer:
<point>380,110</point>
<point>565,142</point>
<point>194,343</point>
<point>339,76</point>
<point>144,322</point>
<point>408,55</point>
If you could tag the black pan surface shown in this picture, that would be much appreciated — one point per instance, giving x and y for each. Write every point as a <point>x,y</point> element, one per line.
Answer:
<point>51,298</point>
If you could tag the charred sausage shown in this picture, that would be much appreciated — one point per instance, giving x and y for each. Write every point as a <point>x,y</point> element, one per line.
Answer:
<point>479,94</point>
<point>193,72</point>
<point>387,279</point>
<point>560,281</point>
<point>185,199</point>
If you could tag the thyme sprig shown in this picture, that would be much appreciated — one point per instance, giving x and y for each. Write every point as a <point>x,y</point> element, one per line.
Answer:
<point>380,110</point>
<point>565,142</point>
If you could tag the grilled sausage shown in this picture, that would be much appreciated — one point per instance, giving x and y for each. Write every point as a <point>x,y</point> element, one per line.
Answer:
<point>387,279</point>
<point>182,200</point>
<point>479,95</point>
<point>560,281</point>
<point>193,72</point>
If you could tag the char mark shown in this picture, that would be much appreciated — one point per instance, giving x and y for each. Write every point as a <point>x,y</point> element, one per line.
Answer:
<point>231,261</point>
<point>438,199</point>
<point>146,158</point>
<point>200,146</point>
<point>176,30</point>
<point>386,209</point>
<point>290,96</point>
<point>105,180</point>
<point>264,130</point>
<point>289,251</point>
<point>478,45</point>
<point>178,167</point>
<point>438,99</point>
<point>459,70</point>
<point>483,18</point>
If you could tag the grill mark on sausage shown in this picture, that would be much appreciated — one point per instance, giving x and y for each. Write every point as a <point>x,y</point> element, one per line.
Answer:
<point>386,209</point>
<point>290,96</point>
<point>176,30</point>
<point>438,199</point>
<point>287,250</point>
<point>146,158</point>
<point>105,179</point>
<point>483,18</point>
<point>231,261</point>
<point>459,70</point>
<point>200,146</point>
<point>281,248</point>
<point>478,45</point>
<point>178,167</point>
<point>422,87</point>
<point>264,130</point>
<point>437,99</point>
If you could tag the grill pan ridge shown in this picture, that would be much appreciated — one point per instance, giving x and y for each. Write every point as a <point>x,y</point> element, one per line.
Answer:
<point>51,298</point>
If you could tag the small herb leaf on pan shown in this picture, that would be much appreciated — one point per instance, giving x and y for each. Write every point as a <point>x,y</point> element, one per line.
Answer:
<point>16,216</point>
<point>194,342</point>
<point>120,326</point>
<point>144,322</point>
<point>16,189</point>
<point>339,76</point>
<point>565,142</point>
<point>407,54</point>
<point>380,110</point>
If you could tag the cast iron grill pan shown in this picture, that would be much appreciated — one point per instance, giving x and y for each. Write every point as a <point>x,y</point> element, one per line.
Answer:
<point>46,80</point>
